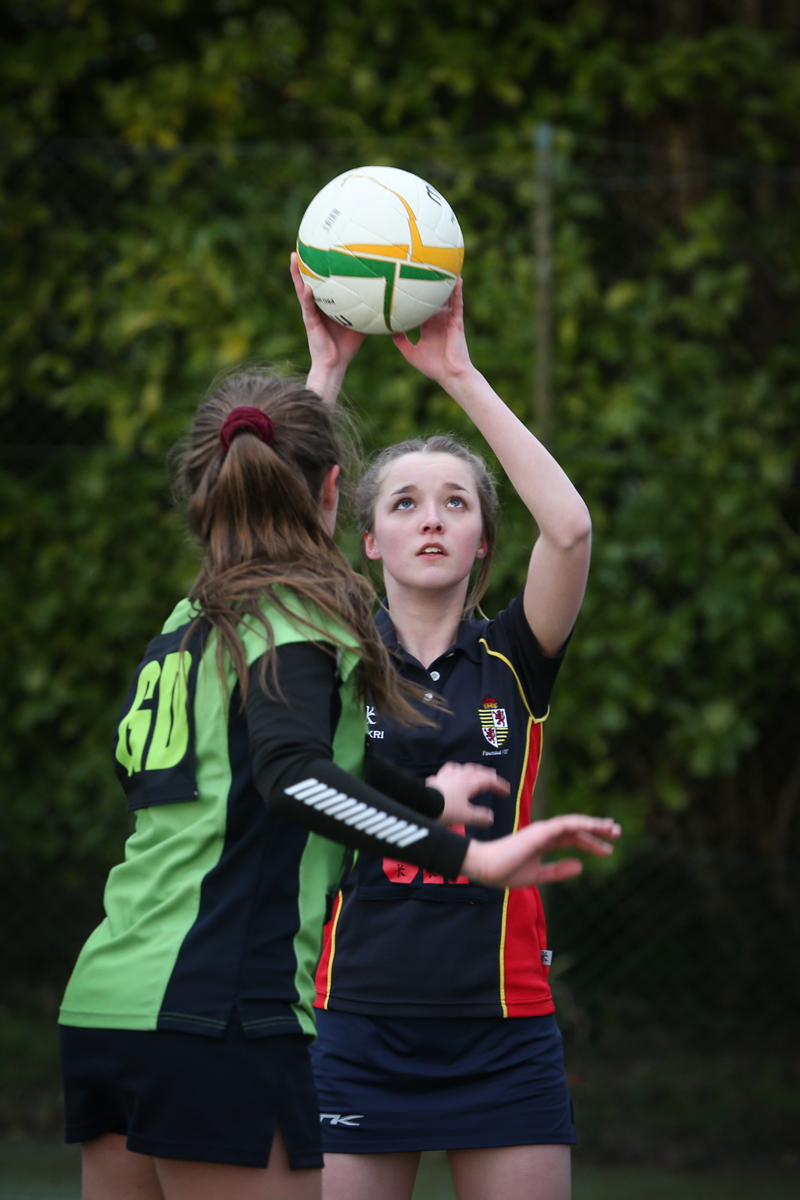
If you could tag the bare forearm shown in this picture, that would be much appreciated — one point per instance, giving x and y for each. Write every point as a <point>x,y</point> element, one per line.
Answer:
<point>545,489</point>
<point>326,382</point>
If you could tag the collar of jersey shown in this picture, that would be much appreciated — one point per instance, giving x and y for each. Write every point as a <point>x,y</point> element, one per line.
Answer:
<point>467,641</point>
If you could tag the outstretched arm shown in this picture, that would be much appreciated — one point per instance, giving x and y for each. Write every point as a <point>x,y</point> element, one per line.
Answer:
<point>559,562</point>
<point>332,347</point>
<point>290,743</point>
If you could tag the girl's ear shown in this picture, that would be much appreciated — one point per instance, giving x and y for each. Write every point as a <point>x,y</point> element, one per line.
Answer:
<point>329,496</point>
<point>371,547</point>
<point>483,548</point>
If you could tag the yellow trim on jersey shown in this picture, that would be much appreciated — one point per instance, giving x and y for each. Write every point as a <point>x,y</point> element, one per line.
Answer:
<point>531,721</point>
<point>510,665</point>
<point>340,898</point>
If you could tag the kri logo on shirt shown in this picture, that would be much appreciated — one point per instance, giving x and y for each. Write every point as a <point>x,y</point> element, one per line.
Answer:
<point>373,720</point>
<point>494,721</point>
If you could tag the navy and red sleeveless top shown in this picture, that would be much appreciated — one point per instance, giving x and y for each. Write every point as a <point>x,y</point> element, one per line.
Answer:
<point>404,942</point>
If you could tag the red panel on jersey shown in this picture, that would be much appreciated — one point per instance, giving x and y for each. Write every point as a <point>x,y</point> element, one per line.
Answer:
<point>323,970</point>
<point>527,992</point>
<point>399,872</point>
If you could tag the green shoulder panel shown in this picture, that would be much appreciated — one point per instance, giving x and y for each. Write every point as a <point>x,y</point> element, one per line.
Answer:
<point>307,625</point>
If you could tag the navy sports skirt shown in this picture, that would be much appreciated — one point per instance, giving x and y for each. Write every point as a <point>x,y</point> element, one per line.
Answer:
<point>186,1096</point>
<point>415,1083</point>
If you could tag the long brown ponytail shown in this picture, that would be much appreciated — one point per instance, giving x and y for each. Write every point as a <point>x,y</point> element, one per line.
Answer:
<point>255,509</point>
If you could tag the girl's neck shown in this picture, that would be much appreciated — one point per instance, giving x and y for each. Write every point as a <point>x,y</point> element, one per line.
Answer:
<point>426,622</point>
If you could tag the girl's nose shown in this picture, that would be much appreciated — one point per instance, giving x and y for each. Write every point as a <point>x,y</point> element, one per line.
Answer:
<point>431,519</point>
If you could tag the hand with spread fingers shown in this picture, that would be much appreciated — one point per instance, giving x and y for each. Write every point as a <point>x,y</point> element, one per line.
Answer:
<point>515,861</point>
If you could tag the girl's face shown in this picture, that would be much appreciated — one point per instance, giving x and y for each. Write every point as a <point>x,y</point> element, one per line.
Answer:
<point>427,528</point>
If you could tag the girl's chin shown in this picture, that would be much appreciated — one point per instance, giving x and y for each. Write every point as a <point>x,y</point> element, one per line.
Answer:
<point>429,579</point>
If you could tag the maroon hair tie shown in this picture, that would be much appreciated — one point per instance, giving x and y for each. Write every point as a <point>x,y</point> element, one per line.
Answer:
<point>253,420</point>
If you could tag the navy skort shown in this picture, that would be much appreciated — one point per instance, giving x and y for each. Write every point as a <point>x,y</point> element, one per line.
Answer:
<point>185,1096</point>
<point>412,1083</point>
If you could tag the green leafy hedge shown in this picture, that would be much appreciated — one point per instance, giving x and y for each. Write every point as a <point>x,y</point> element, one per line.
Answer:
<point>157,159</point>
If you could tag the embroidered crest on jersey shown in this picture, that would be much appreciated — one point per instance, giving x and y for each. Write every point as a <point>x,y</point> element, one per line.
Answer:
<point>494,721</point>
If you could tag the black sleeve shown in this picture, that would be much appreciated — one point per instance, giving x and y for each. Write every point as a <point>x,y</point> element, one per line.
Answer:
<point>291,746</point>
<point>382,774</point>
<point>511,635</point>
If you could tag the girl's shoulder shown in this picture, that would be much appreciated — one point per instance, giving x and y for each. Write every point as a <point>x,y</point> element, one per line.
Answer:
<point>184,612</point>
<point>291,618</point>
<point>508,636</point>
<point>287,618</point>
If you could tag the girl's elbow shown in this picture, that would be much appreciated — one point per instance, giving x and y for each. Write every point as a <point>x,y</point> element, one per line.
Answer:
<point>577,531</point>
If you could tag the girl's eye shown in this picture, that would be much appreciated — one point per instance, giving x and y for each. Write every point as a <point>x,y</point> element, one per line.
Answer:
<point>404,503</point>
<point>456,502</point>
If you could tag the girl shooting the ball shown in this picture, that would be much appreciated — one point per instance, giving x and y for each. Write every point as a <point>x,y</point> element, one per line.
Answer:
<point>436,1019</point>
<point>186,1022</point>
